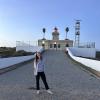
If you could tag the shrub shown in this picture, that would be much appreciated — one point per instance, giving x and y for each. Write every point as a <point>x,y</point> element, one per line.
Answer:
<point>11,52</point>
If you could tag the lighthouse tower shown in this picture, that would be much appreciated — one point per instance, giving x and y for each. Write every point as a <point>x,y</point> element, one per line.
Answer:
<point>55,34</point>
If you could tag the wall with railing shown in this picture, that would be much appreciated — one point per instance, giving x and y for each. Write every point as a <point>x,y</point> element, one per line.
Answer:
<point>5,43</point>
<point>28,46</point>
<point>7,62</point>
<point>85,45</point>
<point>83,52</point>
<point>93,64</point>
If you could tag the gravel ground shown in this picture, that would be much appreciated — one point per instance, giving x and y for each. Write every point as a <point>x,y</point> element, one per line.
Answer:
<point>67,79</point>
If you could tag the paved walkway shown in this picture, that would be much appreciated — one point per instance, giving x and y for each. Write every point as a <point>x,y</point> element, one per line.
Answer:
<point>66,78</point>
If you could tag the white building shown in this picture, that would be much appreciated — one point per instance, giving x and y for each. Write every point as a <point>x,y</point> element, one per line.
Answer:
<point>55,43</point>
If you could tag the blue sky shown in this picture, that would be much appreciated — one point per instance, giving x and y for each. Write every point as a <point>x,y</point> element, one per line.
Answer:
<point>23,20</point>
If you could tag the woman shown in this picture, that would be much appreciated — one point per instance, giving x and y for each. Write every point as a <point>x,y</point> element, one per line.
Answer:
<point>39,72</point>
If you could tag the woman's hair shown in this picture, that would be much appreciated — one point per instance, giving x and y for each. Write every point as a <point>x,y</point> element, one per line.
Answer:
<point>37,57</point>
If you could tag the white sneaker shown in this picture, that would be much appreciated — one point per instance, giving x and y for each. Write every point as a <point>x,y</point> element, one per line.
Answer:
<point>50,92</point>
<point>38,91</point>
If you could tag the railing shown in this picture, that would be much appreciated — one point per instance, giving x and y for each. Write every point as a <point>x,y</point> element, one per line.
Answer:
<point>86,45</point>
<point>30,46</point>
<point>18,43</point>
<point>7,43</point>
<point>26,43</point>
<point>93,64</point>
<point>9,62</point>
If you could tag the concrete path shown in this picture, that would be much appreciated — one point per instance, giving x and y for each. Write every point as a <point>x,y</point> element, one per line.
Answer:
<point>66,79</point>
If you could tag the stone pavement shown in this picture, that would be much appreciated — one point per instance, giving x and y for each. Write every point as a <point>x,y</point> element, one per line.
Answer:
<point>67,80</point>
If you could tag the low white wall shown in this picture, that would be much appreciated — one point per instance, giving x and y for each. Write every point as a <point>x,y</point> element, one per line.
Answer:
<point>29,48</point>
<point>83,52</point>
<point>6,62</point>
<point>94,64</point>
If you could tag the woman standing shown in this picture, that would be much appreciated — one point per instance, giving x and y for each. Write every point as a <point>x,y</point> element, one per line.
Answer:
<point>39,72</point>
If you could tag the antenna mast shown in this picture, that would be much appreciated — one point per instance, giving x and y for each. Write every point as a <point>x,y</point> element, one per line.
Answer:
<point>77,33</point>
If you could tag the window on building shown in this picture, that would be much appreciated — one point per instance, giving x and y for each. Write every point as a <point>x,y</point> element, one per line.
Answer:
<point>55,45</point>
<point>50,45</point>
<point>67,45</point>
<point>43,45</point>
<point>58,45</point>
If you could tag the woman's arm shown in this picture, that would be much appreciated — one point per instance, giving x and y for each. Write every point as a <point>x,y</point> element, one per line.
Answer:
<point>35,68</point>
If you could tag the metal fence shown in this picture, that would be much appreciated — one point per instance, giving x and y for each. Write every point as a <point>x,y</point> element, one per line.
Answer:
<point>26,43</point>
<point>7,43</point>
<point>86,45</point>
<point>18,43</point>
